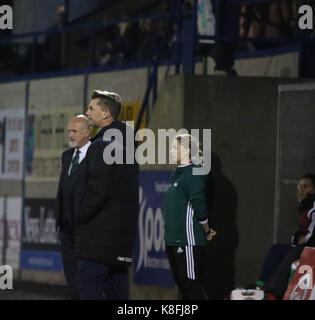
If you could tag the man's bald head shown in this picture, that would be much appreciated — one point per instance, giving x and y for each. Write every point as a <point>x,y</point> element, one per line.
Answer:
<point>83,120</point>
<point>78,131</point>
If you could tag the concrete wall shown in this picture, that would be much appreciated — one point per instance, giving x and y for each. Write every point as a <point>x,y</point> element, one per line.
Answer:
<point>131,84</point>
<point>283,64</point>
<point>295,152</point>
<point>168,113</point>
<point>49,94</point>
<point>242,114</point>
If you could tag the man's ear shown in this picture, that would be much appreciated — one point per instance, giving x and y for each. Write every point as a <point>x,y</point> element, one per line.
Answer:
<point>107,114</point>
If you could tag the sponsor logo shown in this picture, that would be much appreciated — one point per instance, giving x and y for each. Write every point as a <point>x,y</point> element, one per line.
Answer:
<point>151,236</point>
<point>180,250</point>
<point>124,259</point>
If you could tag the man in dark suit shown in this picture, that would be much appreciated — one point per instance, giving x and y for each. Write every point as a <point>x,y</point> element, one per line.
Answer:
<point>68,193</point>
<point>108,211</point>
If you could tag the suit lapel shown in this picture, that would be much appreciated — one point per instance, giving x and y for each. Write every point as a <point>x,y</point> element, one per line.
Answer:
<point>68,162</point>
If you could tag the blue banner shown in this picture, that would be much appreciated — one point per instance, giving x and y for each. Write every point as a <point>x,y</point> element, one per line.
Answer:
<point>41,260</point>
<point>151,265</point>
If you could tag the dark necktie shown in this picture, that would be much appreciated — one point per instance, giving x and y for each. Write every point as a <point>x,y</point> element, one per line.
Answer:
<point>75,161</point>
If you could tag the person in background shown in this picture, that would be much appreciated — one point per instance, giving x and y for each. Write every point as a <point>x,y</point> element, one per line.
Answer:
<point>276,287</point>
<point>67,194</point>
<point>223,55</point>
<point>306,198</point>
<point>186,220</point>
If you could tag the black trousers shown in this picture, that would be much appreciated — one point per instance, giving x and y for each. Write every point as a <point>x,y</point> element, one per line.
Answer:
<point>69,261</point>
<point>278,282</point>
<point>98,281</point>
<point>187,264</point>
<point>273,259</point>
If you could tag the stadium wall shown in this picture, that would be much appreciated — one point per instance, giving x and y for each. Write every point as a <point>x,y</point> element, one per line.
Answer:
<point>243,123</point>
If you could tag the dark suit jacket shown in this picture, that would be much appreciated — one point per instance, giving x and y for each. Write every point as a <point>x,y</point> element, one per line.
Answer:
<point>68,193</point>
<point>108,210</point>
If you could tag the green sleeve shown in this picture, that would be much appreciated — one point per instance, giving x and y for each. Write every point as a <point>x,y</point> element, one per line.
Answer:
<point>195,189</point>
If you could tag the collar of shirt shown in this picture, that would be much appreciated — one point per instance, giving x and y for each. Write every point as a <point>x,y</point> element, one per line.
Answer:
<point>83,151</point>
<point>184,165</point>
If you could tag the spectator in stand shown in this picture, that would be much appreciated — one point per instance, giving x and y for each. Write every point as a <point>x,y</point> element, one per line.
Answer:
<point>142,40</point>
<point>223,55</point>
<point>276,19</point>
<point>257,22</point>
<point>149,41</point>
<point>61,17</point>
<point>277,252</point>
<point>252,19</point>
<point>278,23</point>
<point>131,38</point>
<point>54,49</point>
<point>187,4</point>
<point>109,46</point>
<point>243,22</point>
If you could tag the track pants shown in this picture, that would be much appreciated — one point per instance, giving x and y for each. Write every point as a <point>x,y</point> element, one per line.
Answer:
<point>187,264</point>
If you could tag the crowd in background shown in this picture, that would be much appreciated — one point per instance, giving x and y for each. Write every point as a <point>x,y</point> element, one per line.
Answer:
<point>138,41</point>
<point>276,19</point>
<point>141,40</point>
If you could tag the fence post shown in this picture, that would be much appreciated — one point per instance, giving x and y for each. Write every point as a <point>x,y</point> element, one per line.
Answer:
<point>5,231</point>
<point>189,40</point>
<point>26,123</point>
<point>33,56</point>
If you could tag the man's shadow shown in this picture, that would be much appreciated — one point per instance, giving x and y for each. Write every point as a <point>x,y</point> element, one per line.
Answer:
<point>220,252</point>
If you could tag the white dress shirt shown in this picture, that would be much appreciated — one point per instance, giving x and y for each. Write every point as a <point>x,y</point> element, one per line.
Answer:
<point>82,153</point>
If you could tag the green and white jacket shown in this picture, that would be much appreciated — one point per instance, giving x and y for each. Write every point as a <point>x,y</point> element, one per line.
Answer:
<point>185,208</point>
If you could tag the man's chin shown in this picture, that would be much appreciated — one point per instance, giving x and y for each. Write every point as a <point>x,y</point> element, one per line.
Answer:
<point>72,144</point>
